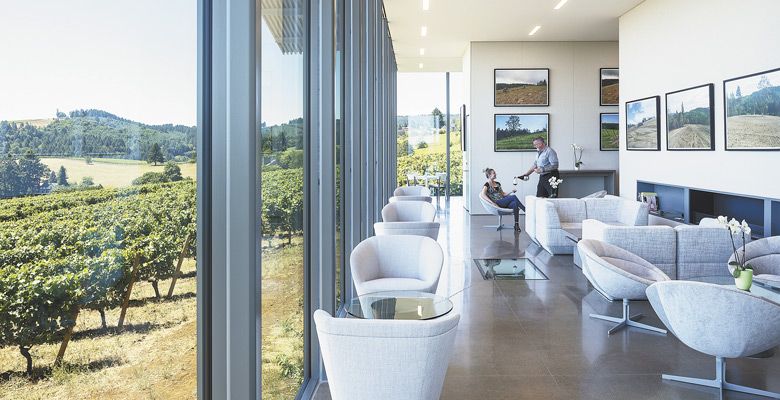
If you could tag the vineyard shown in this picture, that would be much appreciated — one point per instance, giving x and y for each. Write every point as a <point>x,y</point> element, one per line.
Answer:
<point>62,254</point>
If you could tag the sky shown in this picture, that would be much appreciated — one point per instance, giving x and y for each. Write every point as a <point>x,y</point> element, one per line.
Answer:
<point>421,92</point>
<point>521,76</point>
<point>691,99</point>
<point>132,58</point>
<point>610,118</point>
<point>608,73</point>
<point>641,109</point>
<point>749,85</point>
<point>531,122</point>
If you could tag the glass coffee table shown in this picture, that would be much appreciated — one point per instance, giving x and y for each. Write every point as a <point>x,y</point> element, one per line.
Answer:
<point>399,304</point>
<point>509,268</point>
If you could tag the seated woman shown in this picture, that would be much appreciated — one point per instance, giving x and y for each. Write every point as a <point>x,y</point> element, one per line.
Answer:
<point>492,190</point>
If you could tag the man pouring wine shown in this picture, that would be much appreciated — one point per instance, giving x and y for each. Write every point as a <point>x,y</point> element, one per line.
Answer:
<point>546,165</point>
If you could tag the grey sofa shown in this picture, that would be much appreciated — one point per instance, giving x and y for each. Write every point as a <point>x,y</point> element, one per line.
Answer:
<point>682,252</point>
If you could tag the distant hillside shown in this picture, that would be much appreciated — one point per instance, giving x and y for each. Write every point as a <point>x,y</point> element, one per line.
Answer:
<point>95,133</point>
<point>761,102</point>
<point>697,116</point>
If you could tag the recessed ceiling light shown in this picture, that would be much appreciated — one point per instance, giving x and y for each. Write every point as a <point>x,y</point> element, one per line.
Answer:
<point>421,65</point>
<point>424,31</point>
<point>426,4</point>
<point>560,4</point>
<point>422,51</point>
<point>536,29</point>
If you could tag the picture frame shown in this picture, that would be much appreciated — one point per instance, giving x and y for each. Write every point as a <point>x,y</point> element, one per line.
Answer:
<point>751,112</point>
<point>521,87</point>
<point>514,132</point>
<point>609,86</point>
<point>463,127</point>
<point>643,132</point>
<point>609,131</point>
<point>694,129</point>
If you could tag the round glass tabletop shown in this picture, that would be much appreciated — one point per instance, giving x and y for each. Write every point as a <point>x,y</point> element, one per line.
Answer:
<point>399,304</point>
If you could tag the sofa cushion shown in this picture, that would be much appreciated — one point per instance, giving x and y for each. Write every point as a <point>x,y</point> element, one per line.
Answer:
<point>569,210</point>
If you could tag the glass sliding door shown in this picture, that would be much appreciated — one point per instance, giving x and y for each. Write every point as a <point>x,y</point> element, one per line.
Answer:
<point>338,72</point>
<point>98,183</point>
<point>283,138</point>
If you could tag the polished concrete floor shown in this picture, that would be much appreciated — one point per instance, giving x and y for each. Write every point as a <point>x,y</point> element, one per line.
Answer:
<point>534,339</point>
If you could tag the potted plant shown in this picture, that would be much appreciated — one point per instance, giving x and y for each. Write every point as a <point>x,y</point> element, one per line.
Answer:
<point>743,272</point>
<point>577,156</point>
<point>554,182</point>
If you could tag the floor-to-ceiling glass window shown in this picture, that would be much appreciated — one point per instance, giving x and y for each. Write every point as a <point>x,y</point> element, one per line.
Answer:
<point>421,131</point>
<point>283,138</point>
<point>97,199</point>
<point>338,72</point>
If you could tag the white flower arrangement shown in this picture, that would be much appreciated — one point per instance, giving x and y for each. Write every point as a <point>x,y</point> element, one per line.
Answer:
<point>554,182</point>
<point>737,228</point>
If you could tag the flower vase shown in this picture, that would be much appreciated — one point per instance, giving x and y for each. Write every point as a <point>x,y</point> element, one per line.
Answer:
<point>577,168</point>
<point>744,280</point>
<point>554,193</point>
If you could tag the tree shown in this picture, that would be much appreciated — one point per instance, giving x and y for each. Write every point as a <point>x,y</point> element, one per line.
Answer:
<point>87,181</point>
<point>172,172</point>
<point>422,145</point>
<point>53,178</point>
<point>438,117</point>
<point>739,92</point>
<point>513,123</point>
<point>62,177</point>
<point>155,155</point>
<point>150,177</point>
<point>763,83</point>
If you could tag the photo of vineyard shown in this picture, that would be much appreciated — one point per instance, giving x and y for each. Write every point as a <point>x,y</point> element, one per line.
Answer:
<point>753,112</point>
<point>610,132</point>
<point>610,86</point>
<point>516,132</point>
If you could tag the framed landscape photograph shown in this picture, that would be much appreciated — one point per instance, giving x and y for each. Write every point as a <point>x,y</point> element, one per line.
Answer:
<point>609,132</point>
<point>610,86</point>
<point>521,87</point>
<point>690,119</point>
<point>516,132</point>
<point>752,111</point>
<point>642,129</point>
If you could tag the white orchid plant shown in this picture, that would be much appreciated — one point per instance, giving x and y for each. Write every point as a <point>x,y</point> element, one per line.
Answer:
<point>577,155</point>
<point>736,229</point>
<point>554,182</point>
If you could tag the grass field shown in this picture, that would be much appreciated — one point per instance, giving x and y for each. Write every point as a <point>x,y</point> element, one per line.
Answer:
<point>610,139</point>
<point>643,136</point>
<point>519,142</point>
<point>522,95</point>
<point>153,358</point>
<point>753,131</point>
<point>690,136</point>
<point>110,172</point>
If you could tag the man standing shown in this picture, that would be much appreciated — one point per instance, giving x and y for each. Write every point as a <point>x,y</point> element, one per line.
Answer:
<point>546,165</point>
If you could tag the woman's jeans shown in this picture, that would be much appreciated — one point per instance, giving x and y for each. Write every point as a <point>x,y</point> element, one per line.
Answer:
<point>511,201</point>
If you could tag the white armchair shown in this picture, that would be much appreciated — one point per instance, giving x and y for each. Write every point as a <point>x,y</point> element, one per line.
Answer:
<point>396,262</point>
<point>394,199</point>
<point>385,359</point>
<point>552,217</point>
<point>492,208</point>
<point>428,229</point>
<point>530,216</point>
<point>409,211</point>
<point>412,191</point>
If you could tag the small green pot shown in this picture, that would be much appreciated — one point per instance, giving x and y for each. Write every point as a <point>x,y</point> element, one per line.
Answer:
<point>744,280</point>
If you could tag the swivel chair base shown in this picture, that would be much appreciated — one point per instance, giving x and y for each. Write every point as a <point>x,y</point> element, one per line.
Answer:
<point>720,381</point>
<point>626,321</point>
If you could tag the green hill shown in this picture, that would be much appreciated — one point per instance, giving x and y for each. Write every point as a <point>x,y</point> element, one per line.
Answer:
<point>95,133</point>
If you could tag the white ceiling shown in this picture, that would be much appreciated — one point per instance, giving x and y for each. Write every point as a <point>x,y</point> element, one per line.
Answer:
<point>452,24</point>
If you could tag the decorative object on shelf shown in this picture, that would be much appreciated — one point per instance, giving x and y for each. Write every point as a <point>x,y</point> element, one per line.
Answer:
<point>516,132</point>
<point>577,156</point>
<point>521,87</point>
<point>610,86</point>
<point>651,198</point>
<point>554,182</point>
<point>609,134</point>
<point>743,272</point>
<point>752,111</point>
<point>642,129</point>
<point>690,118</point>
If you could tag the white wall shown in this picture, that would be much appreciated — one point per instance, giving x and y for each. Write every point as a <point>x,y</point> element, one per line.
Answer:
<point>667,45</point>
<point>574,107</point>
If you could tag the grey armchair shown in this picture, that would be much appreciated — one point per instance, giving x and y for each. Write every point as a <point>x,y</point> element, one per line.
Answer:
<point>619,274</point>
<point>764,256</point>
<point>492,208</point>
<point>385,359</point>
<point>702,315</point>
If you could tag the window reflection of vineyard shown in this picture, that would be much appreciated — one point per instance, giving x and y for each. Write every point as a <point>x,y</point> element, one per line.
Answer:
<point>431,157</point>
